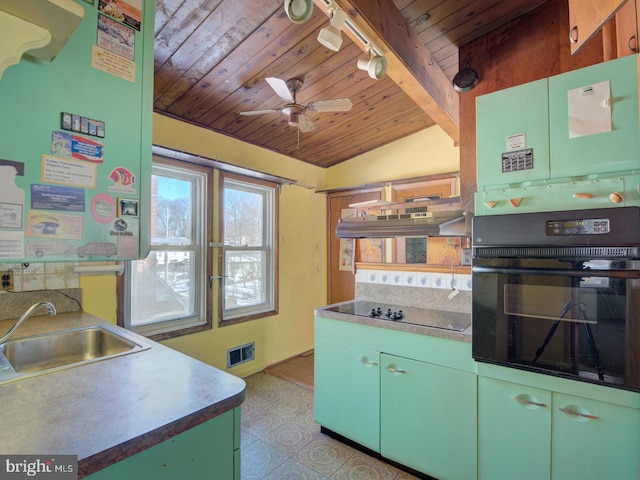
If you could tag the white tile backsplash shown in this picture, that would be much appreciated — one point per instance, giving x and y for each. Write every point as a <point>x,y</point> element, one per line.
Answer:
<point>42,276</point>
<point>415,279</point>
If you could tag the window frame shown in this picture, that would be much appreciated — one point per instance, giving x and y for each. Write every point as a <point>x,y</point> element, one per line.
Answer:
<point>273,234</point>
<point>179,327</point>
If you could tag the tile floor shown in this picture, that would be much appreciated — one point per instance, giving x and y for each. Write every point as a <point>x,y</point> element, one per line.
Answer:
<point>280,440</point>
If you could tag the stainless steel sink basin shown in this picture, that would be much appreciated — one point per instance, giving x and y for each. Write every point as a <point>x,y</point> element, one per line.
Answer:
<point>29,356</point>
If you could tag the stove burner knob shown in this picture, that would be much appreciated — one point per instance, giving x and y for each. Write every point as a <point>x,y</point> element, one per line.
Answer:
<point>373,313</point>
<point>400,314</point>
<point>388,314</point>
<point>379,311</point>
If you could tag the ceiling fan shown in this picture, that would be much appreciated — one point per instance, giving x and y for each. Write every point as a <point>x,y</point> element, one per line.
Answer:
<point>296,112</point>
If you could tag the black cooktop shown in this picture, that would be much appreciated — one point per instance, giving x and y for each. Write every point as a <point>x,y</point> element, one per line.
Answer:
<point>425,317</point>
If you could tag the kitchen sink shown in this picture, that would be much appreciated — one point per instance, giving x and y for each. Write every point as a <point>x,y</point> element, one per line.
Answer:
<point>40,354</point>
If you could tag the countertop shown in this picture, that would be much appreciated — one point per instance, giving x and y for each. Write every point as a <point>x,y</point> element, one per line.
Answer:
<point>443,317</point>
<point>111,409</point>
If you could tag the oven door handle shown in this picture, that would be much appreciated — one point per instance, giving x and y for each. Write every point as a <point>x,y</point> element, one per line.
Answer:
<point>558,272</point>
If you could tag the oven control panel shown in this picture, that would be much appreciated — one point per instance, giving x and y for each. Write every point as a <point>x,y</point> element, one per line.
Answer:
<point>596,226</point>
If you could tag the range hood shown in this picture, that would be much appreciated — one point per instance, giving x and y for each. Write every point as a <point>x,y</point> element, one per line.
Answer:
<point>446,223</point>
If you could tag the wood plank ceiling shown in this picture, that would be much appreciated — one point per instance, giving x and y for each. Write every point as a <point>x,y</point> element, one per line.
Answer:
<point>212,58</point>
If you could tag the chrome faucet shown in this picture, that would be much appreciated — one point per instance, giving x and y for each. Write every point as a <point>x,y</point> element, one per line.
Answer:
<point>51,310</point>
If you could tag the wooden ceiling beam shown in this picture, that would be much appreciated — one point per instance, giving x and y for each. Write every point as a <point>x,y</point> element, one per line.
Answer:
<point>409,63</point>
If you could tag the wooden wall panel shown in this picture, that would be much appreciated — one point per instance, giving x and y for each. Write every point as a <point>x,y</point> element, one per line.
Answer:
<point>529,48</point>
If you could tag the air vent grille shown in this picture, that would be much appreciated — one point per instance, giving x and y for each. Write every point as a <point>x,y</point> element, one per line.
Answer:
<point>555,252</point>
<point>241,354</point>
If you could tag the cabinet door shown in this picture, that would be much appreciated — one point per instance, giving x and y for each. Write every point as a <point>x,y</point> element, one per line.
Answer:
<point>594,440</point>
<point>514,427</point>
<point>610,151</point>
<point>428,417</point>
<point>65,201</point>
<point>204,452</point>
<point>627,29</point>
<point>509,113</point>
<point>586,18</point>
<point>347,391</point>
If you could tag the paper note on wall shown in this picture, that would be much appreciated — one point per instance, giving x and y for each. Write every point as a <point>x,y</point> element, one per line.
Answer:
<point>12,197</point>
<point>590,109</point>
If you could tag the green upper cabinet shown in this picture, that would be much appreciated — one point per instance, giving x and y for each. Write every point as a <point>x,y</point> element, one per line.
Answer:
<point>602,98</point>
<point>513,135</point>
<point>75,143</point>
<point>580,123</point>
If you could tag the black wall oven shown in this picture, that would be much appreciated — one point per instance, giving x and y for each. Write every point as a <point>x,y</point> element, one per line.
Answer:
<point>559,293</point>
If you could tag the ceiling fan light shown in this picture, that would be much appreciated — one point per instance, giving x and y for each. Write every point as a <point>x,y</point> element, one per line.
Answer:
<point>331,36</point>
<point>298,11</point>
<point>294,119</point>
<point>375,66</point>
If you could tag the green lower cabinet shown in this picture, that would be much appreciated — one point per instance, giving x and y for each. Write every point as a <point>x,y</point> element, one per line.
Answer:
<point>592,440</point>
<point>514,428</point>
<point>428,417</point>
<point>206,451</point>
<point>534,434</point>
<point>347,391</point>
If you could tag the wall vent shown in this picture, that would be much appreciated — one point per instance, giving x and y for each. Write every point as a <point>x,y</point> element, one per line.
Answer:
<point>241,354</point>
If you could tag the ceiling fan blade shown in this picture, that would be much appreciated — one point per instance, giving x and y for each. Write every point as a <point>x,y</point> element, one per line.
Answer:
<point>336,105</point>
<point>304,124</point>
<point>280,87</point>
<point>260,112</point>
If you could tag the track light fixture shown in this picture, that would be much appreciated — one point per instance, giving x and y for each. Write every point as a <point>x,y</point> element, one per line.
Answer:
<point>331,36</point>
<point>374,65</point>
<point>298,11</point>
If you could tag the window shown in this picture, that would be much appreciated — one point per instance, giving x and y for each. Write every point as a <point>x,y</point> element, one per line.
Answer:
<point>248,220</point>
<point>166,294</point>
<point>169,292</point>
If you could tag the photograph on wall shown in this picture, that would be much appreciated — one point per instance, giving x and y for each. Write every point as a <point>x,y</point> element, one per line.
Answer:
<point>127,207</point>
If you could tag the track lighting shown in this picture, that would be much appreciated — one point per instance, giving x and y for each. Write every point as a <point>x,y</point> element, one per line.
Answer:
<point>298,11</point>
<point>374,65</point>
<point>331,36</point>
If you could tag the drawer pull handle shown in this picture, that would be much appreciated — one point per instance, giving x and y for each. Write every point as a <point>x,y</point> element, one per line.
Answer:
<point>570,411</point>
<point>582,195</point>
<point>391,369</point>
<point>573,34</point>
<point>525,401</point>
<point>366,361</point>
<point>515,202</point>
